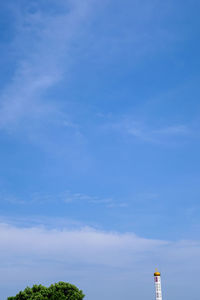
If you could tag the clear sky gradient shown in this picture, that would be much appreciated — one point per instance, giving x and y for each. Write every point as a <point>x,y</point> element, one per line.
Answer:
<point>99,146</point>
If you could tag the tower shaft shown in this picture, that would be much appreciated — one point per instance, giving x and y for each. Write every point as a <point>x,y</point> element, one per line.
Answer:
<point>157,281</point>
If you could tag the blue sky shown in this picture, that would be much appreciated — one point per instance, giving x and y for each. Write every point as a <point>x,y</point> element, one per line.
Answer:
<point>99,145</point>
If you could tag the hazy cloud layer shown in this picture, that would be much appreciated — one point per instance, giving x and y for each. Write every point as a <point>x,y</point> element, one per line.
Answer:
<point>89,258</point>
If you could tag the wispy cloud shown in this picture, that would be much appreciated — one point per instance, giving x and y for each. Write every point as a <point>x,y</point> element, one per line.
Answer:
<point>62,198</point>
<point>107,202</point>
<point>41,221</point>
<point>150,134</point>
<point>173,130</point>
<point>43,42</point>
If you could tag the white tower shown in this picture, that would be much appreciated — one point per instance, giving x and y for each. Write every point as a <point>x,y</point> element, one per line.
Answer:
<point>157,281</point>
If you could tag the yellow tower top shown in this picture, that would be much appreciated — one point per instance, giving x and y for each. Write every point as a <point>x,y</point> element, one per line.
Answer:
<point>157,273</point>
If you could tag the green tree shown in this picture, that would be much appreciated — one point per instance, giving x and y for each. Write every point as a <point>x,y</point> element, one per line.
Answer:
<point>57,291</point>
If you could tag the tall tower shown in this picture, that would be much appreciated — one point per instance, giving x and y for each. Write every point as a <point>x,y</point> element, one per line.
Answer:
<point>157,281</point>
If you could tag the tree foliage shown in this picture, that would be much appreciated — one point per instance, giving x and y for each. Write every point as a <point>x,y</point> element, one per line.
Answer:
<point>57,291</point>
